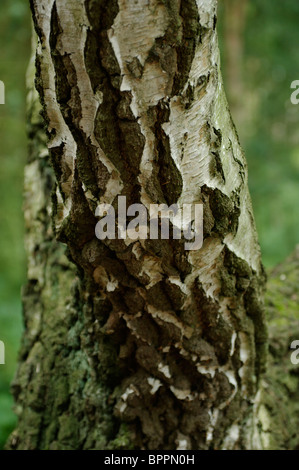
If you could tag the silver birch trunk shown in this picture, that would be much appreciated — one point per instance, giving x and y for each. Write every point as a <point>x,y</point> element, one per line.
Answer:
<point>136,344</point>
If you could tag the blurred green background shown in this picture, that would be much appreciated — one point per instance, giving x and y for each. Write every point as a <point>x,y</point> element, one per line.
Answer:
<point>260,58</point>
<point>15,29</point>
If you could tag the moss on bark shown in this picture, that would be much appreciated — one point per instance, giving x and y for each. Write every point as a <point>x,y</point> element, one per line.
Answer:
<point>279,413</point>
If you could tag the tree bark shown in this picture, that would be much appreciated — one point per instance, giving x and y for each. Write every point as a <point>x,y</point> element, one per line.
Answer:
<point>144,345</point>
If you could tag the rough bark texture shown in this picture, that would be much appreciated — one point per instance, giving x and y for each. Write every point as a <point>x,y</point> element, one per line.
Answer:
<point>143,345</point>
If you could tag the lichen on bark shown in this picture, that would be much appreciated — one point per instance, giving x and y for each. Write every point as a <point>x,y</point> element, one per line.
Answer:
<point>279,412</point>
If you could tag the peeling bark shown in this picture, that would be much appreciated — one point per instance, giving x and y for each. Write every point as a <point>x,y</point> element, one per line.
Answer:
<point>145,345</point>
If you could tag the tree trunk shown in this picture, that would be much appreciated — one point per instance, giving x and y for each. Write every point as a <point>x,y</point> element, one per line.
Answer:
<point>143,345</point>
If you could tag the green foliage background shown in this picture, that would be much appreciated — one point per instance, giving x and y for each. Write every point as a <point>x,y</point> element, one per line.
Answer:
<point>270,140</point>
<point>15,30</point>
<point>271,137</point>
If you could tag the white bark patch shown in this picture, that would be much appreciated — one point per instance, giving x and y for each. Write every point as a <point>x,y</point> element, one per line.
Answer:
<point>124,397</point>
<point>254,426</point>
<point>244,244</point>
<point>112,285</point>
<point>137,250</point>
<point>232,437</point>
<point>133,34</point>
<point>152,267</point>
<point>176,281</point>
<point>246,348</point>
<point>168,317</point>
<point>148,156</point>
<point>155,384</point>
<point>182,394</point>
<point>182,444</point>
<point>186,128</point>
<point>129,319</point>
<point>233,341</point>
<point>205,370</point>
<point>207,10</point>
<point>164,369</point>
<point>262,425</point>
<point>213,420</point>
<point>63,209</point>
<point>135,29</point>
<point>74,23</point>
<point>104,279</point>
<point>208,263</point>
<point>62,133</point>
